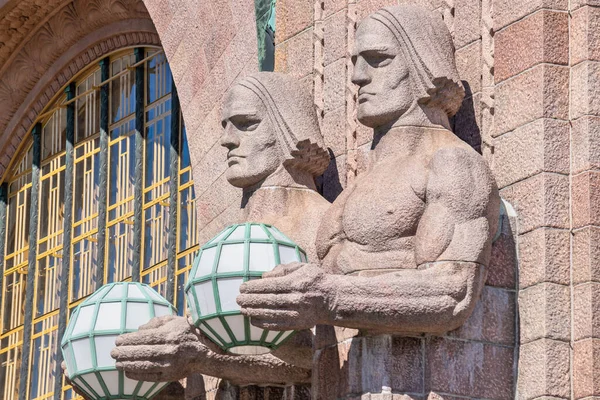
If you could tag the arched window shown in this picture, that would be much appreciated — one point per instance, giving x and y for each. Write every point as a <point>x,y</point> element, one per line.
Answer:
<point>102,191</point>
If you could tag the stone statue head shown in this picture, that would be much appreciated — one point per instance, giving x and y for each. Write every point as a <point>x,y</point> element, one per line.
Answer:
<point>404,58</point>
<point>270,124</point>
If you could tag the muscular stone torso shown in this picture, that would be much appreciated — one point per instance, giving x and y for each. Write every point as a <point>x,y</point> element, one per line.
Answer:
<point>371,227</point>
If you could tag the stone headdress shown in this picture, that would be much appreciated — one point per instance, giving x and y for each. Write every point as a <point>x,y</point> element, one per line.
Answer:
<point>291,110</point>
<point>427,46</point>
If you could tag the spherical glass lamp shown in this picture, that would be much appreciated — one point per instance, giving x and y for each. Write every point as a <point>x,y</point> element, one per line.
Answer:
<point>239,253</point>
<point>112,310</point>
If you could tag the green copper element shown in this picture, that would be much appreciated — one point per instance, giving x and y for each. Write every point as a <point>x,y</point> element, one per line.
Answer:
<point>265,33</point>
<point>112,310</point>
<point>239,253</point>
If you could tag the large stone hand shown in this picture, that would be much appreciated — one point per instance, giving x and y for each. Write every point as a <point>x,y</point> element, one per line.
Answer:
<point>292,296</point>
<point>164,350</point>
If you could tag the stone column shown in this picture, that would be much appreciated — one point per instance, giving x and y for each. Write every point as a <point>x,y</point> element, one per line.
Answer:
<point>585,196</point>
<point>531,166</point>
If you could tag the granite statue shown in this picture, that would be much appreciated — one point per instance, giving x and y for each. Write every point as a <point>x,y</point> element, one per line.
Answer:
<point>275,150</point>
<point>404,249</point>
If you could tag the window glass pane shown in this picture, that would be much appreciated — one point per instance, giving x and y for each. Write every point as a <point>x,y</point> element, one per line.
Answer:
<point>159,79</point>
<point>54,133</point>
<point>44,347</point>
<point>122,89</point>
<point>88,106</point>
<point>10,363</point>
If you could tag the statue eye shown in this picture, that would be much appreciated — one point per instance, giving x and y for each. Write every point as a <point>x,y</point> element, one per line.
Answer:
<point>377,59</point>
<point>245,124</point>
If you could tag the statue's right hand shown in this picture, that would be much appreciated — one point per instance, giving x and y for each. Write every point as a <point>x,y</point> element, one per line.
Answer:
<point>163,350</point>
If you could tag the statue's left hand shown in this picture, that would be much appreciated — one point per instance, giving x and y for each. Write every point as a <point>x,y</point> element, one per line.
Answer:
<point>292,296</point>
<point>163,350</point>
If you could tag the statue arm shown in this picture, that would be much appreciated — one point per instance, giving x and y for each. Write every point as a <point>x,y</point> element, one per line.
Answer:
<point>452,249</point>
<point>169,349</point>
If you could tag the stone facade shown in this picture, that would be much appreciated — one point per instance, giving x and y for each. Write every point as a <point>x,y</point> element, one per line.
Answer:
<point>531,69</point>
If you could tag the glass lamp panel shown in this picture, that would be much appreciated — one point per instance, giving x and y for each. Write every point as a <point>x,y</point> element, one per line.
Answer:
<point>92,381</point>
<point>271,335</point>
<point>232,258</point>
<point>104,345</point>
<point>84,320</point>
<point>129,385</point>
<point>278,235</point>
<point>229,289</point>
<point>111,380</point>
<point>68,354</point>
<point>137,314</point>
<point>109,317</point>
<point>82,387</point>
<point>192,304</point>
<point>216,325</point>
<point>262,257</point>
<point>134,292</point>
<point>210,335</point>
<point>236,325</point>
<point>220,237</point>
<point>238,233</point>
<point>206,298</point>
<point>83,354</point>
<point>97,294</point>
<point>156,390</point>
<point>115,293</point>
<point>303,257</point>
<point>257,232</point>
<point>161,311</point>
<point>207,260</point>
<point>249,350</point>
<point>144,389</point>
<point>255,332</point>
<point>287,254</point>
<point>154,295</point>
<point>284,336</point>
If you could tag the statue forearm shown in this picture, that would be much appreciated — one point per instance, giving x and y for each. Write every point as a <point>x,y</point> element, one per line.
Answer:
<point>435,298</point>
<point>264,369</point>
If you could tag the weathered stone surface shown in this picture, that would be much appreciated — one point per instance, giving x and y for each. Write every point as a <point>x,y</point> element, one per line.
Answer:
<point>334,35</point>
<point>493,319</point>
<point>544,257</point>
<point>295,56</point>
<point>539,92</point>
<point>334,87</point>
<point>540,201</point>
<point>586,199</point>
<point>506,12</point>
<point>586,368</point>
<point>468,64</point>
<point>585,144</point>
<point>586,311</point>
<point>540,146</point>
<point>334,129</point>
<point>467,22</point>
<point>586,255</point>
<point>542,37</point>
<point>469,369</point>
<point>544,369</point>
<point>545,312</point>
<point>585,86</point>
<point>503,262</point>
<point>293,16</point>
<point>585,38</point>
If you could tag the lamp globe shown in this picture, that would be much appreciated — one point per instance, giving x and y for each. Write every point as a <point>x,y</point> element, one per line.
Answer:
<point>239,253</point>
<point>112,310</point>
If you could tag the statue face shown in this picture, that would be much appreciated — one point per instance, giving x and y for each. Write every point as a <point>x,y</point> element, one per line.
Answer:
<point>254,153</point>
<point>382,74</point>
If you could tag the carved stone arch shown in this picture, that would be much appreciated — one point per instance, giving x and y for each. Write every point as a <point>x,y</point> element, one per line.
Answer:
<point>62,42</point>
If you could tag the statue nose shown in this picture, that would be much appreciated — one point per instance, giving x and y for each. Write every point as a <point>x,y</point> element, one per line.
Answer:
<point>229,139</point>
